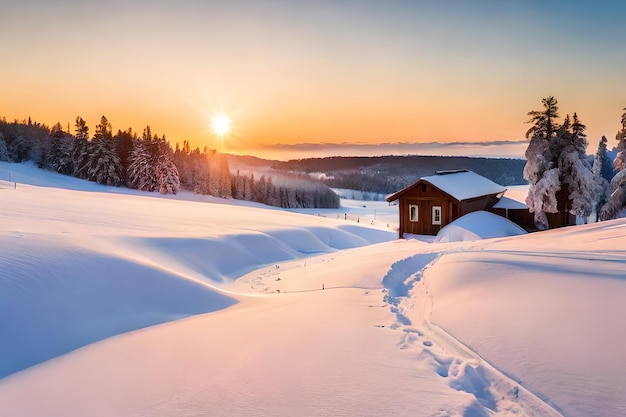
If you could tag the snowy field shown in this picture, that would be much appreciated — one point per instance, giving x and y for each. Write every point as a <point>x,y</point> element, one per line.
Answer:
<point>120,303</point>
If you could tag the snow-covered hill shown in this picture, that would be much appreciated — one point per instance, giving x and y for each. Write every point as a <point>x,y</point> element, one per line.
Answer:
<point>116,303</point>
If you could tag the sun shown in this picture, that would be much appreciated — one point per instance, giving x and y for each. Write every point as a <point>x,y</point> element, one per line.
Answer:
<point>220,124</point>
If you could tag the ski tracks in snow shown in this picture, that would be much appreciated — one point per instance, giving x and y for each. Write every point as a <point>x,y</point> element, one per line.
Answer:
<point>408,297</point>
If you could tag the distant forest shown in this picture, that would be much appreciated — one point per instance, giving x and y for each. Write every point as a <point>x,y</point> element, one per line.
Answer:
<point>388,174</point>
<point>147,162</point>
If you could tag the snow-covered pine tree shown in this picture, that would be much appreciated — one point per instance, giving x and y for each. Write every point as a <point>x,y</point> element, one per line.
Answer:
<point>58,153</point>
<point>614,208</point>
<point>183,161</point>
<point>540,171</point>
<point>166,172</point>
<point>141,173</point>
<point>559,175</point>
<point>80,154</point>
<point>4,152</point>
<point>607,171</point>
<point>544,121</point>
<point>124,142</point>
<point>579,137</point>
<point>103,166</point>
<point>237,189</point>
<point>250,192</point>
<point>18,149</point>
<point>200,171</point>
<point>50,150</point>
<point>225,180</point>
<point>601,170</point>
<point>575,172</point>
<point>65,163</point>
<point>219,179</point>
<point>621,134</point>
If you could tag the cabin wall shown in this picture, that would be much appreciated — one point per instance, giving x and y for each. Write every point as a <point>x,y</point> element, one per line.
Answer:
<point>425,197</point>
<point>425,224</point>
<point>521,217</point>
<point>476,204</point>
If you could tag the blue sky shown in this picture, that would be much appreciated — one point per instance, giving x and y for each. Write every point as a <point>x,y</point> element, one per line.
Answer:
<point>326,71</point>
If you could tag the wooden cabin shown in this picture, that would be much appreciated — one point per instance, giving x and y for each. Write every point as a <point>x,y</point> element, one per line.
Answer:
<point>434,201</point>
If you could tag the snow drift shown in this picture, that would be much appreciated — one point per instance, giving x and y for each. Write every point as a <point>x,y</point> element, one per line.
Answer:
<point>478,225</point>
<point>78,267</point>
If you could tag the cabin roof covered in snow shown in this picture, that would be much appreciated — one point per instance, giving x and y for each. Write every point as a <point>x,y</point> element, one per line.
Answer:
<point>511,204</point>
<point>459,184</point>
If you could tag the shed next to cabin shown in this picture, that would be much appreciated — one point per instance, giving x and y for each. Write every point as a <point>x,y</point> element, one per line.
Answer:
<point>436,200</point>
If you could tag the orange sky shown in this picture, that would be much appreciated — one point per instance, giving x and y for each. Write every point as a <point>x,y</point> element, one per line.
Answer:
<point>309,72</point>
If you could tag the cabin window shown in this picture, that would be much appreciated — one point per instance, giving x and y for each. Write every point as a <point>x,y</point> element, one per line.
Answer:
<point>436,214</point>
<point>413,213</point>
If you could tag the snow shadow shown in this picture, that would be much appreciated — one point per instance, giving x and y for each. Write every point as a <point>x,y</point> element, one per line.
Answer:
<point>53,301</point>
<point>231,256</point>
<point>404,273</point>
<point>401,278</point>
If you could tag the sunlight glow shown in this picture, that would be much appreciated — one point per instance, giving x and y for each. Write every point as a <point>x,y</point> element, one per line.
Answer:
<point>220,124</point>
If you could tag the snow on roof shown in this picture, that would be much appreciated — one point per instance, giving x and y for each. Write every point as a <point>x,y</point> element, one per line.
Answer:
<point>478,225</point>
<point>464,185</point>
<point>511,204</point>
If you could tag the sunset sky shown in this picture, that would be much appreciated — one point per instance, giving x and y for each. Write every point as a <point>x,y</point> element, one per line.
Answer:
<point>296,72</point>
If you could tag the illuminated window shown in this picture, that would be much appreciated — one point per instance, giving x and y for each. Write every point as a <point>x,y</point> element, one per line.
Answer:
<point>413,213</point>
<point>436,215</point>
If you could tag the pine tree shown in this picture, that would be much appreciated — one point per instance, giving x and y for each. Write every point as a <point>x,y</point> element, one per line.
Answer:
<point>260,190</point>
<point>621,134</point>
<point>4,152</point>
<point>103,165</point>
<point>614,208</point>
<point>607,171</point>
<point>199,179</point>
<point>544,125</point>
<point>602,174</point>
<point>575,172</point>
<point>50,151</point>
<point>237,190</point>
<point>57,152</point>
<point>123,143</point>
<point>80,153</point>
<point>579,137</point>
<point>151,165</point>
<point>559,175</point>
<point>224,178</point>
<point>166,172</point>
<point>616,203</point>
<point>18,149</point>
<point>540,170</point>
<point>141,173</point>
<point>66,161</point>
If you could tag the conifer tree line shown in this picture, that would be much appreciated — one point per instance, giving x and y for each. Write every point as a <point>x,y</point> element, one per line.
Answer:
<point>149,163</point>
<point>562,178</point>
